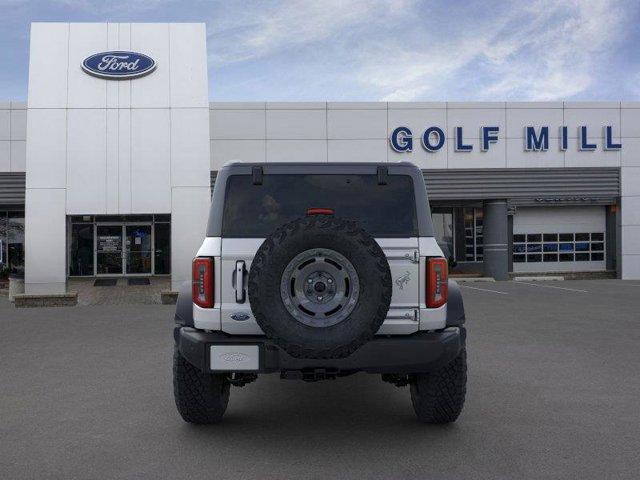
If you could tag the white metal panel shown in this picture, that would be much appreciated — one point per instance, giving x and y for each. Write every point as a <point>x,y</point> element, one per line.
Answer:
<point>630,154</point>
<point>518,118</point>
<point>189,213</point>
<point>296,150</point>
<point>357,150</point>
<point>495,157</point>
<point>86,161</point>
<point>630,181</point>
<point>234,250</point>
<point>296,124</point>
<point>112,162</point>
<point>47,148</point>
<point>518,157</point>
<point>150,161</point>
<point>124,86</point>
<point>152,91</point>
<point>630,123</point>
<point>592,118</point>
<point>124,160</point>
<point>630,237</point>
<point>238,124</point>
<point>296,105</point>
<point>48,62</point>
<point>45,241</point>
<point>559,219</point>
<point>5,124</point>
<point>5,156</point>
<point>188,69</point>
<point>211,247</point>
<point>113,43</point>
<point>18,124</point>
<point>418,120</point>
<point>86,91</point>
<point>630,211</point>
<point>223,151</point>
<point>574,157</point>
<point>18,156</point>
<point>471,119</point>
<point>189,146</point>
<point>630,268</point>
<point>357,124</point>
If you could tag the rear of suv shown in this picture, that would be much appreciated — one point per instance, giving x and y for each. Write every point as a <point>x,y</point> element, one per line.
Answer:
<point>317,271</point>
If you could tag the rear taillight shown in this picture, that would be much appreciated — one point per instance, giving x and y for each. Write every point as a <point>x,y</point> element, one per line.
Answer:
<point>437,282</point>
<point>202,282</point>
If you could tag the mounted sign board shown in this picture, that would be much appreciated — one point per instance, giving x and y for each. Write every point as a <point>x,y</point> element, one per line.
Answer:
<point>109,243</point>
<point>118,65</point>
<point>535,140</point>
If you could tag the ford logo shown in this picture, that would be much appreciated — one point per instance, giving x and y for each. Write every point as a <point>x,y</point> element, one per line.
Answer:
<point>234,357</point>
<point>118,65</point>
<point>240,316</point>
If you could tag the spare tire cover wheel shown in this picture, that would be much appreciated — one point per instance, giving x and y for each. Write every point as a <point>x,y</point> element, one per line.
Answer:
<point>320,287</point>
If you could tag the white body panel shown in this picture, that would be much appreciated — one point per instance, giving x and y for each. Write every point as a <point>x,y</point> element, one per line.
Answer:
<point>407,261</point>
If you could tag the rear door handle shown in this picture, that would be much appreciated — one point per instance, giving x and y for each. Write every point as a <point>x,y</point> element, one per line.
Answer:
<point>240,272</point>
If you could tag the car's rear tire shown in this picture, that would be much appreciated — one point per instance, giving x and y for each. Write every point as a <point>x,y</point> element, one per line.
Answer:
<point>201,398</point>
<point>438,397</point>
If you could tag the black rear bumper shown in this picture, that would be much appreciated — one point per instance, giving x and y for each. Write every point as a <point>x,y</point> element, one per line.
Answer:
<point>420,352</point>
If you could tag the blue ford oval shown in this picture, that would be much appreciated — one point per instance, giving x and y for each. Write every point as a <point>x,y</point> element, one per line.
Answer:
<point>118,65</point>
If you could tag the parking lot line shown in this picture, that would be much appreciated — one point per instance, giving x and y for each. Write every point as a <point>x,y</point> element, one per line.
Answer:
<point>484,289</point>
<point>552,286</point>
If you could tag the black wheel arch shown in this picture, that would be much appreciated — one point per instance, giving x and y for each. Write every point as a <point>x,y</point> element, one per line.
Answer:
<point>184,306</point>
<point>455,305</point>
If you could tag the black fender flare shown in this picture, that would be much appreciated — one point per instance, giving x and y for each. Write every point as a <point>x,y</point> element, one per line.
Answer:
<point>455,305</point>
<point>184,306</point>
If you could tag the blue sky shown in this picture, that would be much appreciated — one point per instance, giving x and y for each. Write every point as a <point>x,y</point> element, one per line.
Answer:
<point>363,50</point>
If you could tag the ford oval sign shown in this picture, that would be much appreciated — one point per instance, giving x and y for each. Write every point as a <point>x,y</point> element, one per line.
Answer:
<point>118,65</point>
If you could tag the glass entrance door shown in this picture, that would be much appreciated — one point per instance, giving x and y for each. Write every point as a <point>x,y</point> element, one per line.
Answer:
<point>139,249</point>
<point>108,249</point>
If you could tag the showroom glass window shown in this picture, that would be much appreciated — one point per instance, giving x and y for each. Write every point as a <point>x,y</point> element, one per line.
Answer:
<point>12,242</point>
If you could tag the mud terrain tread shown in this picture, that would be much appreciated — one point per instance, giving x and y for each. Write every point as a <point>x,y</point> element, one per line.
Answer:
<point>201,398</point>
<point>438,397</point>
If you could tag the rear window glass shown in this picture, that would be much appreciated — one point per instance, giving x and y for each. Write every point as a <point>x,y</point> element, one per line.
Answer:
<point>257,210</point>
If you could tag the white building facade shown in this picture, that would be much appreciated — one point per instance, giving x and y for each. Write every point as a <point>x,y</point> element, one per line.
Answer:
<point>118,171</point>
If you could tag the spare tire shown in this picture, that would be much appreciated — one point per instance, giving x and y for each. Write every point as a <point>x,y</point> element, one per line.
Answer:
<point>320,287</point>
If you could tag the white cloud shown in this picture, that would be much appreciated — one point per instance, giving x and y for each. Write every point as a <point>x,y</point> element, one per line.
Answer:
<point>261,29</point>
<point>546,51</point>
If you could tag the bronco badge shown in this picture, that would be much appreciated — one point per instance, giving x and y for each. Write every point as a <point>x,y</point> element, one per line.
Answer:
<point>403,280</point>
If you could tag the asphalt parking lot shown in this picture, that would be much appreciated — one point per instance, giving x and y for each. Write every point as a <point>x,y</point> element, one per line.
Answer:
<point>554,392</point>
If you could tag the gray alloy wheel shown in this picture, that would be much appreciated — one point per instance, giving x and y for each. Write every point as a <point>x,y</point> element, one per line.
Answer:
<point>320,287</point>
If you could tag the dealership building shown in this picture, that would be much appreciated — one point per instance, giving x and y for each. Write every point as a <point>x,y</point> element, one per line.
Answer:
<point>107,168</point>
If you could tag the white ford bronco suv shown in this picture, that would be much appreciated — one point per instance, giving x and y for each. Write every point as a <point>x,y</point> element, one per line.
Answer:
<point>317,271</point>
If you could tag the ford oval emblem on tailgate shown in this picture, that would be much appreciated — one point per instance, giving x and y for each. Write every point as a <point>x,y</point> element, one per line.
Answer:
<point>240,316</point>
<point>234,357</point>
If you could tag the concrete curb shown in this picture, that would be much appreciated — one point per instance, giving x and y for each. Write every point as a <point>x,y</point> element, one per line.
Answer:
<point>475,279</point>
<point>538,278</point>
<point>69,299</point>
<point>168,297</point>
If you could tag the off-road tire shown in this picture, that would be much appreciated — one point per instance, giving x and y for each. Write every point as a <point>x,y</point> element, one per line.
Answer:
<point>438,397</point>
<point>374,277</point>
<point>201,398</point>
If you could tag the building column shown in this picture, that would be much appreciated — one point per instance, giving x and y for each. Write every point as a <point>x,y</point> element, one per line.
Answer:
<point>45,241</point>
<point>495,240</point>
